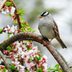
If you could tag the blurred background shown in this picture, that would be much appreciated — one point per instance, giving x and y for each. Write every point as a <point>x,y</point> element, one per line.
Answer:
<point>61,11</point>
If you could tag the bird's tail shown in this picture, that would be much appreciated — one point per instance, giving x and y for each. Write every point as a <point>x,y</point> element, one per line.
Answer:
<point>61,42</point>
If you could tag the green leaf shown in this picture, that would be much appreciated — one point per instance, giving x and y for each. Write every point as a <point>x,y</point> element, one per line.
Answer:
<point>29,49</point>
<point>39,70</point>
<point>30,30</point>
<point>22,19</point>
<point>12,67</point>
<point>20,12</point>
<point>4,70</point>
<point>38,57</point>
<point>1,30</point>
<point>9,48</point>
<point>56,68</point>
<point>8,3</point>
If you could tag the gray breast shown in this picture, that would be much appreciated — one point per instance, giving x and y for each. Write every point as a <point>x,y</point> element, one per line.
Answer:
<point>46,28</point>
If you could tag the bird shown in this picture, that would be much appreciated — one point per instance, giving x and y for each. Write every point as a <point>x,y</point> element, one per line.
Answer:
<point>48,28</point>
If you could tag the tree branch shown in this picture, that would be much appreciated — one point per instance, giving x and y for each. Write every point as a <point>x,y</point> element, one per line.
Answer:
<point>1,5</point>
<point>37,38</point>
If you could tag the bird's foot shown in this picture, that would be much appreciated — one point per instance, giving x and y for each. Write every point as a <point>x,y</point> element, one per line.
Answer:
<point>45,38</point>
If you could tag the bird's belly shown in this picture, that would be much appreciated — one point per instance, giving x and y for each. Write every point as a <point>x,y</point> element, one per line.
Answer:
<point>47,32</point>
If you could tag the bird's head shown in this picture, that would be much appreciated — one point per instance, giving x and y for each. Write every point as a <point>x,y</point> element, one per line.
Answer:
<point>44,14</point>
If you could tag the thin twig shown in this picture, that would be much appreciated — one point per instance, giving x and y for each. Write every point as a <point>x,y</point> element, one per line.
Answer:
<point>17,15</point>
<point>4,59</point>
<point>37,38</point>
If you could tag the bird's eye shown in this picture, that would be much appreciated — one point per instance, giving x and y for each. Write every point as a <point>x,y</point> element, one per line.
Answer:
<point>44,13</point>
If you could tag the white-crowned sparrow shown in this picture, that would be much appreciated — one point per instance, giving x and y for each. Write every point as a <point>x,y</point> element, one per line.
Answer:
<point>48,28</point>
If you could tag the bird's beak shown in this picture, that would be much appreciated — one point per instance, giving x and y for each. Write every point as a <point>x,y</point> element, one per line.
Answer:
<point>40,17</point>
